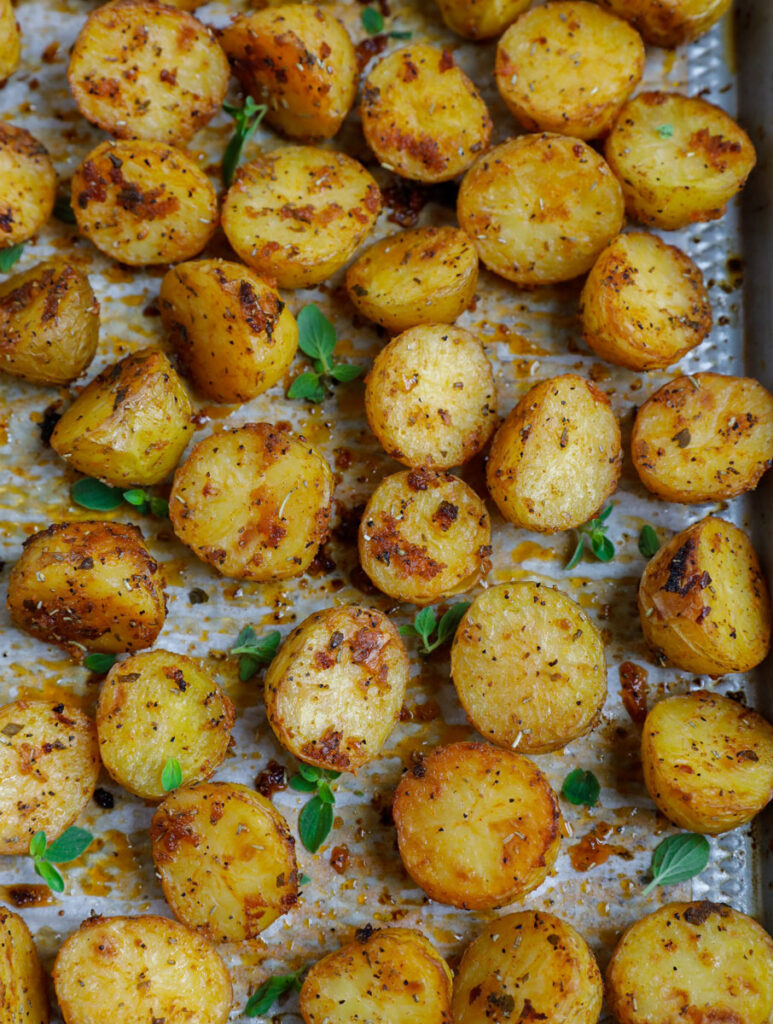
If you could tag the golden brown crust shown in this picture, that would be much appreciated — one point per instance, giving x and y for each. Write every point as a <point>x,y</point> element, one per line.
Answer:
<point>29,185</point>
<point>22,981</point>
<point>669,22</point>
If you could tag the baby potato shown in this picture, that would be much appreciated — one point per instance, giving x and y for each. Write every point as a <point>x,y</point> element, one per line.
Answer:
<point>299,61</point>
<point>540,208</point>
<point>88,586</point>
<point>386,976</point>
<point>27,185</point>
<point>421,276</point>
<point>254,502</point>
<point>232,332</point>
<point>568,67</point>
<point>528,665</point>
<point>49,323</point>
<point>669,22</point>
<point>424,535</point>
<point>158,705</point>
<point>22,980</point>
<point>49,764</point>
<point>477,827</point>
<point>130,425</point>
<point>480,19</point>
<point>335,688</point>
<point>644,304</point>
<point>707,437</point>
<point>679,159</point>
<point>296,215</point>
<point>422,116</point>
<point>140,969</point>
<point>708,761</point>
<point>10,41</point>
<point>557,457</point>
<point>497,970</point>
<point>143,203</point>
<point>430,397</point>
<point>704,603</point>
<point>226,860</point>
<point>706,957</point>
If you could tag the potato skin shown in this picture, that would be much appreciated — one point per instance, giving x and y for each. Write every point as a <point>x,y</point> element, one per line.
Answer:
<point>714,959</point>
<point>423,536</point>
<point>10,41</point>
<point>254,502</point>
<point>143,202</point>
<point>299,61</point>
<point>540,208</point>
<point>672,180</point>
<point>336,686</point>
<point>88,586</point>
<point>422,116</point>
<point>130,425</point>
<point>644,304</point>
<point>669,22</point>
<point>557,457</point>
<point>50,764</point>
<point>27,185</point>
<point>49,323</point>
<point>22,980</point>
<point>528,666</point>
<point>703,601</point>
<point>158,705</point>
<point>97,970</point>
<point>430,397</point>
<point>477,827</point>
<point>497,971</point>
<point>707,437</point>
<point>480,19</point>
<point>296,215</point>
<point>568,67</point>
<point>231,331</point>
<point>226,859</point>
<point>386,976</point>
<point>421,276</point>
<point>142,70</point>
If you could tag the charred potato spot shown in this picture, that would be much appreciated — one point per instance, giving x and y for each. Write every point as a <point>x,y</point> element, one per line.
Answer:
<point>22,981</point>
<point>10,41</point>
<point>88,586</point>
<point>478,827</point>
<point>27,185</point>
<point>226,860</point>
<point>49,764</point>
<point>430,397</point>
<point>130,425</point>
<point>669,22</point>
<point>480,19</point>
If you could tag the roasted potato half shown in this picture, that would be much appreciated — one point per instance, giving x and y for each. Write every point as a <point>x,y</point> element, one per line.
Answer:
<point>296,215</point>
<point>10,41</point>
<point>669,22</point>
<point>424,535</point>
<point>226,860</point>
<point>158,705</point>
<point>477,827</point>
<point>22,980</point>
<point>707,437</point>
<point>233,334</point>
<point>299,61</point>
<point>557,457</point>
<point>430,397</point>
<point>568,67</point>
<point>386,976</point>
<point>708,761</point>
<point>49,323</point>
<point>705,956</point>
<point>142,70</point>
<point>88,586</point>
<point>480,19</point>
<point>130,425</point>
<point>679,159</point>
<point>703,601</point>
<point>422,116</point>
<point>528,665</point>
<point>27,185</point>
<point>49,764</point>
<point>540,208</point>
<point>644,304</point>
<point>254,502</point>
<point>498,970</point>
<point>422,276</point>
<point>140,969</point>
<point>144,202</point>
<point>335,689</point>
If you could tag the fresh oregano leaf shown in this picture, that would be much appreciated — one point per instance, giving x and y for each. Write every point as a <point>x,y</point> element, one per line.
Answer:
<point>314,823</point>
<point>448,624</point>
<point>99,663</point>
<point>301,785</point>
<point>247,119</point>
<point>307,386</point>
<point>593,535</point>
<point>171,775</point>
<point>372,21</point>
<point>254,651</point>
<point>581,787</point>
<point>49,874</point>
<point>96,496</point>
<point>263,998</point>
<point>38,845</point>
<point>10,256</point>
<point>325,793</point>
<point>344,373</point>
<point>316,334</point>
<point>677,859</point>
<point>649,544</point>
<point>69,846</point>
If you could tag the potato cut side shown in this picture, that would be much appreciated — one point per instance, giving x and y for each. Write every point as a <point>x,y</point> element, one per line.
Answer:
<point>10,41</point>
<point>22,981</point>
<point>27,185</point>
<point>669,22</point>
<point>480,19</point>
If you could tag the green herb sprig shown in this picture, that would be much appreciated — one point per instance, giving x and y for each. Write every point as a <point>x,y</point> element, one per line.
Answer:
<point>9,256</point>
<point>373,23</point>
<point>677,859</point>
<point>99,663</point>
<point>316,818</point>
<point>581,787</point>
<point>68,847</point>
<point>649,544</point>
<point>247,119</point>
<point>317,339</point>
<point>263,998</point>
<point>255,651</point>
<point>593,535</point>
<point>425,624</point>
<point>98,497</point>
<point>171,775</point>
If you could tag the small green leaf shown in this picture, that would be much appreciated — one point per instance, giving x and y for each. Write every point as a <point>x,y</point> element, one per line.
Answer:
<point>9,256</point>
<point>425,623</point>
<point>602,547</point>
<point>314,823</point>
<point>400,34</point>
<point>99,663</point>
<point>328,773</point>
<point>678,858</point>
<point>309,771</point>
<point>159,507</point>
<point>263,998</point>
<point>49,874</point>
<point>255,652</point>
<point>307,385</point>
<point>450,621</point>
<point>408,630</point>
<point>304,879</point>
<point>665,131</point>
<point>301,785</point>
<point>603,516</point>
<point>69,846</point>
<point>649,544</point>
<point>247,119</point>
<point>171,775</point>
<point>346,372</point>
<point>63,211</point>
<point>325,793</point>
<point>581,787</point>
<point>316,334</point>
<point>577,555</point>
<point>96,496</point>
<point>372,21</point>
<point>38,845</point>
<point>136,497</point>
